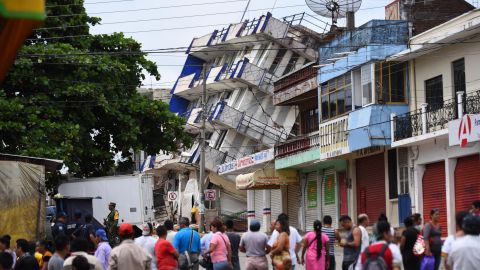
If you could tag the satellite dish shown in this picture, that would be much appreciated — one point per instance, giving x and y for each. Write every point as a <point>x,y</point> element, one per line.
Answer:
<point>334,9</point>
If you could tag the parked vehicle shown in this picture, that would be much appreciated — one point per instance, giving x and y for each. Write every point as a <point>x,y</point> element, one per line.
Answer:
<point>133,195</point>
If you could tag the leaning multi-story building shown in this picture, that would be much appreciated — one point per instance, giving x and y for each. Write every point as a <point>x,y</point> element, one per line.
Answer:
<point>242,61</point>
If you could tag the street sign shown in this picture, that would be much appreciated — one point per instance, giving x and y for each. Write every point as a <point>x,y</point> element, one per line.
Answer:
<point>210,195</point>
<point>172,196</point>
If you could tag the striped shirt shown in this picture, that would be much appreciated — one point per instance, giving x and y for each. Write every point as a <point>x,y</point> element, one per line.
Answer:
<point>330,232</point>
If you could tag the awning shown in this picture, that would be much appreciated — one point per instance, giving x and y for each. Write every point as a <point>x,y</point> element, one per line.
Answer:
<point>17,19</point>
<point>227,185</point>
<point>267,178</point>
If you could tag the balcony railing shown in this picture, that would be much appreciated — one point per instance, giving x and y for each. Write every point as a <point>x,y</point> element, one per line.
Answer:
<point>431,118</point>
<point>213,157</point>
<point>298,145</point>
<point>296,84</point>
<point>247,125</point>
<point>240,74</point>
<point>284,31</point>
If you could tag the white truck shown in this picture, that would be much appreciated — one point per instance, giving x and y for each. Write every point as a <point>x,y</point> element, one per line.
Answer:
<point>133,195</point>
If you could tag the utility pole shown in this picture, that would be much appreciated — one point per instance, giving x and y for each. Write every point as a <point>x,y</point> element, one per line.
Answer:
<point>201,192</point>
<point>245,11</point>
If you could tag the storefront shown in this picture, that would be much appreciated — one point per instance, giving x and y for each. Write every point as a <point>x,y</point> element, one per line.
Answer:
<point>324,192</point>
<point>370,181</point>
<point>267,195</point>
<point>467,186</point>
<point>434,192</point>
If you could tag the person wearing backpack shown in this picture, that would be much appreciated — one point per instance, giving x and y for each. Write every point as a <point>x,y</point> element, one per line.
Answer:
<point>382,255</point>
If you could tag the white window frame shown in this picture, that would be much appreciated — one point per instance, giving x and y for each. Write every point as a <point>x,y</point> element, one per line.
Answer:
<point>364,69</point>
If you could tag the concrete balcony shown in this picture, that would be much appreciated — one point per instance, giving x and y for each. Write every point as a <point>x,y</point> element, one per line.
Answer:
<point>224,116</point>
<point>292,89</point>
<point>247,33</point>
<point>297,145</point>
<point>213,157</point>
<point>431,120</point>
<point>241,74</point>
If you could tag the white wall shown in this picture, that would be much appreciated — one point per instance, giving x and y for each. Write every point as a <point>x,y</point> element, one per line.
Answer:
<point>125,191</point>
<point>440,63</point>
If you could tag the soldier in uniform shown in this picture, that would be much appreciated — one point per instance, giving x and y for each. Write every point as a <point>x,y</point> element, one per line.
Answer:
<point>60,228</point>
<point>111,225</point>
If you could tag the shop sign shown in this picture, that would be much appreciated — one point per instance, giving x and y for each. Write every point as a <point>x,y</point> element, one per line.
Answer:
<point>312,193</point>
<point>333,138</point>
<point>329,189</point>
<point>465,130</point>
<point>247,161</point>
<point>267,178</point>
<point>369,151</point>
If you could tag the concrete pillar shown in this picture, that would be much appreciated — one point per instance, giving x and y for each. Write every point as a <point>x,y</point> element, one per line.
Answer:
<point>392,127</point>
<point>450,164</point>
<point>250,205</point>
<point>424,118</point>
<point>460,103</point>
<point>352,188</point>
<point>419,170</point>
<point>267,209</point>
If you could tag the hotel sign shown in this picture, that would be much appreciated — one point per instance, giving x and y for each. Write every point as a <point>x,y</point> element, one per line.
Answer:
<point>246,161</point>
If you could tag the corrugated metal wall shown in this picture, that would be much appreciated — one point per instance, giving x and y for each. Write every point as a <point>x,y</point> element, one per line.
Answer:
<point>434,193</point>
<point>467,186</point>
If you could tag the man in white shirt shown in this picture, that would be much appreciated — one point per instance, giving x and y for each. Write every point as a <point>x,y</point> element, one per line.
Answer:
<point>147,242</point>
<point>465,252</point>
<point>295,240</point>
<point>365,242</point>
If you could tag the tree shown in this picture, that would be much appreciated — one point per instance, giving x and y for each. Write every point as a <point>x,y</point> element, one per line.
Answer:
<point>75,98</point>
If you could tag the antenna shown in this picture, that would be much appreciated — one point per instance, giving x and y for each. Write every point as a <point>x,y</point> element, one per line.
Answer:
<point>336,9</point>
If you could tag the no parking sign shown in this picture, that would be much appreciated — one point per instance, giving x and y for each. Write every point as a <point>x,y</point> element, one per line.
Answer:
<point>172,196</point>
<point>210,195</point>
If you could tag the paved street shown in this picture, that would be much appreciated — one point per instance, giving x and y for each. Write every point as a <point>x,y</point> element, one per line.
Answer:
<point>338,258</point>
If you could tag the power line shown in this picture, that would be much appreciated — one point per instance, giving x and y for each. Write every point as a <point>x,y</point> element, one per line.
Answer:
<point>148,9</point>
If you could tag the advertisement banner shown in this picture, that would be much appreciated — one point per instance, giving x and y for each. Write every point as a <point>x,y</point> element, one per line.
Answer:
<point>465,130</point>
<point>329,189</point>
<point>312,193</point>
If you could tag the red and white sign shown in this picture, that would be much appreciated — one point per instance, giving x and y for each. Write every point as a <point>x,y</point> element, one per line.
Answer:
<point>210,195</point>
<point>465,130</point>
<point>172,196</point>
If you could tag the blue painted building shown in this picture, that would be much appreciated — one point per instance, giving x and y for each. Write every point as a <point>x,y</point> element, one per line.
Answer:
<point>357,94</point>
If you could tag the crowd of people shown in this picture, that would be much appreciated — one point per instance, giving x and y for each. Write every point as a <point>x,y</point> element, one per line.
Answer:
<point>83,247</point>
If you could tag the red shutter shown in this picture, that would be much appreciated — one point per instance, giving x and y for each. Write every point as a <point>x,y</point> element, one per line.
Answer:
<point>371,186</point>
<point>434,193</point>
<point>343,194</point>
<point>467,186</point>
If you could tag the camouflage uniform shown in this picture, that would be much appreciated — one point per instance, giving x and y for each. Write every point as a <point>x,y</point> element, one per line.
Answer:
<point>111,225</point>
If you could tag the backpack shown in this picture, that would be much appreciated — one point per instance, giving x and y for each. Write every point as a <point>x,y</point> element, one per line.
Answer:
<point>375,261</point>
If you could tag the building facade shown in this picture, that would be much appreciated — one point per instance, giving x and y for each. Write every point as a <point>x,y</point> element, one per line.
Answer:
<point>238,65</point>
<point>439,134</point>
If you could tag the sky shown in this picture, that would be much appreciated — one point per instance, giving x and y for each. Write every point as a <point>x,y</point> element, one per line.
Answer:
<point>160,24</point>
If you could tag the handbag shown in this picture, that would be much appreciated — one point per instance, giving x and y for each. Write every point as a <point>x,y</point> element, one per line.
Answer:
<point>186,260</point>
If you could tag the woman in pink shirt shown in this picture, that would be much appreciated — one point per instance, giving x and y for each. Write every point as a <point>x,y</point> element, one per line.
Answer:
<point>315,244</point>
<point>220,250</point>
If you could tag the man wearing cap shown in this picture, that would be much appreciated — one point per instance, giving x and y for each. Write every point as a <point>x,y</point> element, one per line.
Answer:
<point>255,244</point>
<point>147,242</point>
<point>59,228</point>
<point>111,224</point>
<point>103,247</point>
<point>128,255</point>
